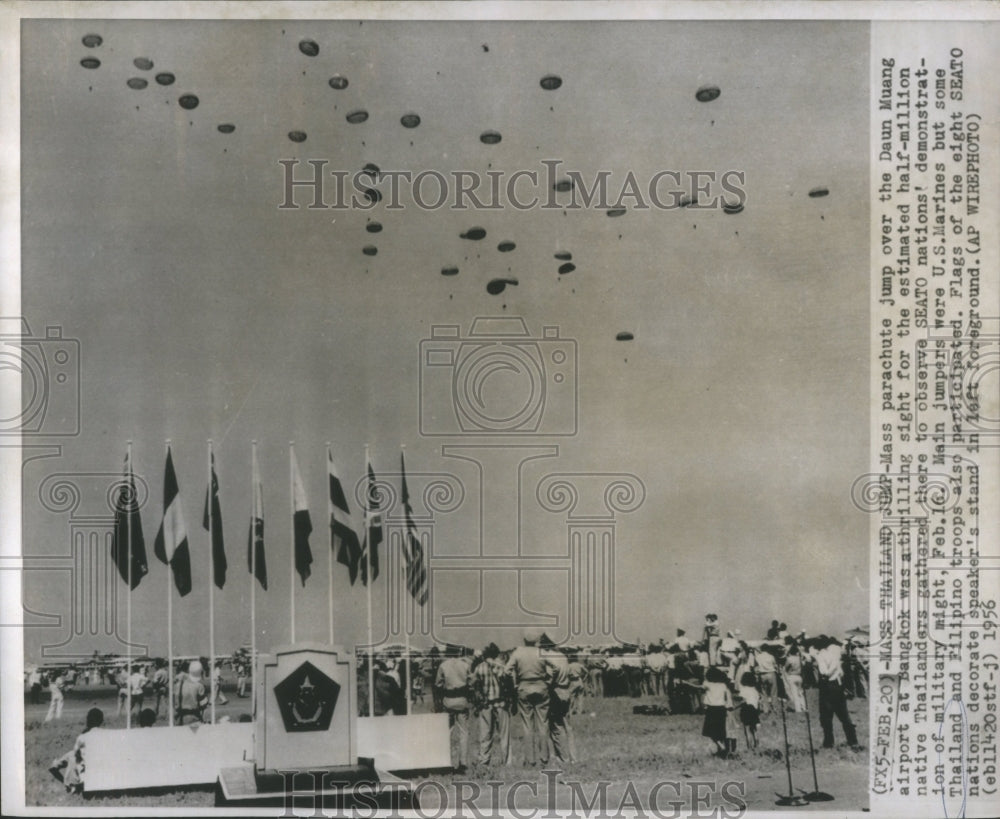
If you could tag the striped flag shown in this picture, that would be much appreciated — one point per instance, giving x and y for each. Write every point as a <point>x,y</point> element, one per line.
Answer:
<point>127,539</point>
<point>301,524</point>
<point>373,528</point>
<point>219,564</point>
<point>257,563</point>
<point>344,539</point>
<point>413,550</point>
<point>171,544</point>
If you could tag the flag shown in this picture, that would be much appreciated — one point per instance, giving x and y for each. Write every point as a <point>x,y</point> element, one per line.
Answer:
<point>301,523</point>
<point>218,549</point>
<point>171,545</point>
<point>343,538</point>
<point>413,550</point>
<point>373,529</point>
<point>127,537</point>
<point>256,563</point>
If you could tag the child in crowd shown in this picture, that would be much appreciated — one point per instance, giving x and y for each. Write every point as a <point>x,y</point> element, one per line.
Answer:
<point>749,708</point>
<point>718,701</point>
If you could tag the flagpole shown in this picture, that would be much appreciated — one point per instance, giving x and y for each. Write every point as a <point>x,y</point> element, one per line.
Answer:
<point>253,579</point>
<point>368,590</point>
<point>170,628</point>
<point>211,584</point>
<point>291,551</point>
<point>329,459</point>
<point>404,597</point>
<point>128,593</point>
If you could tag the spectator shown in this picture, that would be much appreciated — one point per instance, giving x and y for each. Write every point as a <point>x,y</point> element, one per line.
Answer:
<point>190,695</point>
<point>453,683</point>
<point>389,696</point>
<point>830,670</point>
<point>35,686</point>
<point>577,683</point>
<point>122,681</point>
<point>767,677</point>
<point>749,708</point>
<point>137,688</point>
<point>217,695</point>
<point>793,678</point>
<point>55,697</point>
<point>70,767</point>
<point>560,727</point>
<point>492,697</point>
<point>241,677</point>
<point>712,639</point>
<point>161,683</point>
<point>718,702</point>
<point>531,672</point>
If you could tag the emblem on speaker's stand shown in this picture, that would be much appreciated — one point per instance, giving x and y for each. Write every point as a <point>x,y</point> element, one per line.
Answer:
<point>307,698</point>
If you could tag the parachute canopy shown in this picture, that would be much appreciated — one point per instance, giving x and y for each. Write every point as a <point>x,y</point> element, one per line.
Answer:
<point>496,286</point>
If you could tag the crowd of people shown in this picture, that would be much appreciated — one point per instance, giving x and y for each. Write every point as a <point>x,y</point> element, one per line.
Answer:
<point>143,690</point>
<point>731,681</point>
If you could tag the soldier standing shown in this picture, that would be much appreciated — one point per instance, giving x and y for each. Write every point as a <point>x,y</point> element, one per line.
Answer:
<point>453,684</point>
<point>560,728</point>
<point>531,672</point>
<point>494,716</point>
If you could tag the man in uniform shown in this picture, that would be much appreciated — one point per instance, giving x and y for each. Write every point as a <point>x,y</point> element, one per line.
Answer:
<point>452,683</point>
<point>531,672</point>
<point>190,695</point>
<point>494,718</point>
<point>560,729</point>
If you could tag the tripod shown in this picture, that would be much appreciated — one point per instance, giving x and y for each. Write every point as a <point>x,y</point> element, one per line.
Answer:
<point>817,795</point>
<point>792,799</point>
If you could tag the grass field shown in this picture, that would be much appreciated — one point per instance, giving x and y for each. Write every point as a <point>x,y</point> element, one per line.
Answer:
<point>613,744</point>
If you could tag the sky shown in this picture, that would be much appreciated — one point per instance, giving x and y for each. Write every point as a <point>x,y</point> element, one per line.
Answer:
<point>738,413</point>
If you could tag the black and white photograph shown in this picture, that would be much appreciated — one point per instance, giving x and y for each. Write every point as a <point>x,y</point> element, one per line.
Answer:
<point>453,410</point>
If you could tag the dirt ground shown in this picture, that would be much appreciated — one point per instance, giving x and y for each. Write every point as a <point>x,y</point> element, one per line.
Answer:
<point>630,753</point>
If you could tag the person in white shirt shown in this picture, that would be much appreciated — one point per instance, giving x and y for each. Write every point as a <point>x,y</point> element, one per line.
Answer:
<point>831,692</point>
<point>217,695</point>
<point>56,702</point>
<point>137,688</point>
<point>767,676</point>
<point>35,685</point>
